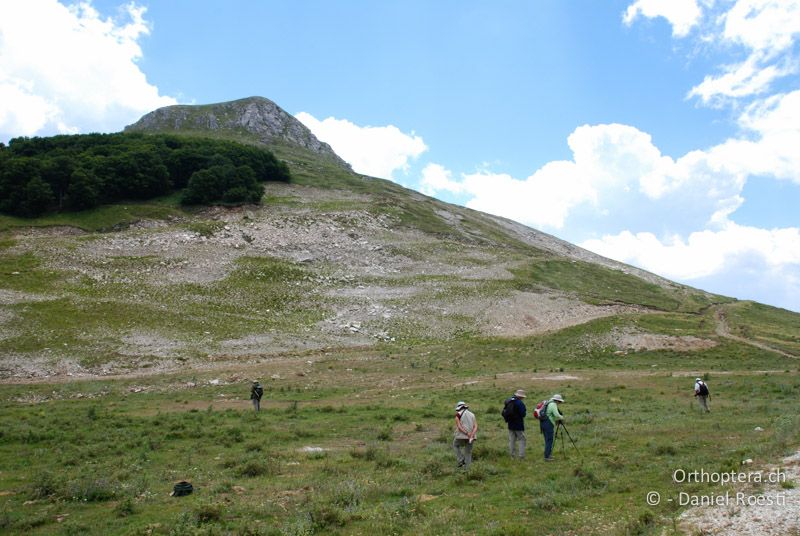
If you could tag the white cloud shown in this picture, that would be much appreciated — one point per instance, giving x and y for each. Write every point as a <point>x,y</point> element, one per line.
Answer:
<point>766,30</point>
<point>703,253</point>
<point>542,200</point>
<point>736,260</point>
<point>613,166</point>
<point>66,69</point>
<point>683,15</point>
<point>374,151</point>
<point>437,178</point>
<point>739,80</point>
<point>766,26</point>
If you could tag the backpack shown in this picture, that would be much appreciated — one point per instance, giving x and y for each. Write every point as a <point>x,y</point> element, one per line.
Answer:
<point>703,389</point>
<point>182,488</point>
<point>509,409</point>
<point>541,410</point>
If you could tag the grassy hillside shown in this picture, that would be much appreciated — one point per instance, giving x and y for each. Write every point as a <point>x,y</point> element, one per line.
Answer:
<point>129,335</point>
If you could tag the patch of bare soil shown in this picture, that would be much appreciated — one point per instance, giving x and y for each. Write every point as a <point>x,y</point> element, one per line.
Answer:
<point>141,343</point>
<point>773,510</point>
<point>41,367</point>
<point>528,313</point>
<point>629,339</point>
<point>12,297</point>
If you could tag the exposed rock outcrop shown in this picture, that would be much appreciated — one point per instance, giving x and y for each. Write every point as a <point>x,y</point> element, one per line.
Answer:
<point>254,119</point>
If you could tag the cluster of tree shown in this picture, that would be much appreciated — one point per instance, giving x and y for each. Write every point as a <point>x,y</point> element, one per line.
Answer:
<point>65,173</point>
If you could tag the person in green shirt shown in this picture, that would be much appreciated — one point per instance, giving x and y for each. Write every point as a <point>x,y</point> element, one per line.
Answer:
<point>548,425</point>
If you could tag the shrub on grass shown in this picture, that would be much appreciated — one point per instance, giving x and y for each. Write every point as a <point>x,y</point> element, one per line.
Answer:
<point>347,494</point>
<point>641,524</point>
<point>208,512</point>
<point>548,503</point>
<point>254,467</point>
<point>587,478</point>
<point>90,489</point>
<point>5,519</point>
<point>665,450</point>
<point>324,516</point>
<point>125,508</point>
<point>384,460</point>
<point>44,485</point>
<point>30,523</point>
<point>254,446</point>
<point>485,451</point>
<point>434,468</point>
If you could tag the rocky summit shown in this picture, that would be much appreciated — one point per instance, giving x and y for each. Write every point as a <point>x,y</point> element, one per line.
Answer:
<point>252,120</point>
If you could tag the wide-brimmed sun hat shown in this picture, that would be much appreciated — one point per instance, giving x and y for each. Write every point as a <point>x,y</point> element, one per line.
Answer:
<point>698,380</point>
<point>558,398</point>
<point>520,393</point>
<point>461,405</point>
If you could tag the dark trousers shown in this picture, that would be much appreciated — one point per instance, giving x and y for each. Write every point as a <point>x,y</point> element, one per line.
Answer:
<point>257,404</point>
<point>549,432</point>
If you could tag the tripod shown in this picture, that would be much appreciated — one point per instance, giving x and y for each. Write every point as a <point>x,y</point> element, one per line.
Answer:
<point>562,428</point>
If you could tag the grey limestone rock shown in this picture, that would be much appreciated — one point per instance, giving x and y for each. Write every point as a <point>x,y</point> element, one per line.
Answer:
<point>255,119</point>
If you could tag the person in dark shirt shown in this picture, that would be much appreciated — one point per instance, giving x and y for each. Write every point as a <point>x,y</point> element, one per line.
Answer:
<point>256,392</point>
<point>516,426</point>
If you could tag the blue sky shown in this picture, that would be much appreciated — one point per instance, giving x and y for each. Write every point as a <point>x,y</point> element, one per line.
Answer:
<point>665,134</point>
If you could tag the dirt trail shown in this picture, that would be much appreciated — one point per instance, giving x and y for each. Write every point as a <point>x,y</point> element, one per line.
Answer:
<point>723,330</point>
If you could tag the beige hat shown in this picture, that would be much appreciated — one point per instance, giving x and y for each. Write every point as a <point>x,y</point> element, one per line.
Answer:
<point>461,405</point>
<point>520,393</point>
<point>557,398</point>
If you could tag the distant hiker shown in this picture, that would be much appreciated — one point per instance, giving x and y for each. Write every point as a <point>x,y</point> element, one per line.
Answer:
<point>701,392</point>
<point>548,422</point>
<point>466,431</point>
<point>256,392</point>
<point>514,413</point>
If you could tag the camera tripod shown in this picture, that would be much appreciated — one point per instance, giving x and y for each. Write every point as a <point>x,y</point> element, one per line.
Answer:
<point>562,428</point>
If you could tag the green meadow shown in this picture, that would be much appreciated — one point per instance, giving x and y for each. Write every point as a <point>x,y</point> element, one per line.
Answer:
<point>359,441</point>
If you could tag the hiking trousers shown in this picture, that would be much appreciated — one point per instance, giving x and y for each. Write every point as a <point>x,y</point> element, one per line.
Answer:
<point>516,437</point>
<point>257,404</point>
<point>703,401</point>
<point>549,433</point>
<point>463,450</point>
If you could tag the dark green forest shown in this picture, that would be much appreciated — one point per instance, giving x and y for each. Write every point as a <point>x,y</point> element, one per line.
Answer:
<point>77,172</point>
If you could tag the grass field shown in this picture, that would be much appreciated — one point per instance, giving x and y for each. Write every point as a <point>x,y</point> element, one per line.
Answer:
<point>358,441</point>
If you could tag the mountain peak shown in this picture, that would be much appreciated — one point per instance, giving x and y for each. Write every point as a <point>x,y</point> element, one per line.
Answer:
<point>251,120</point>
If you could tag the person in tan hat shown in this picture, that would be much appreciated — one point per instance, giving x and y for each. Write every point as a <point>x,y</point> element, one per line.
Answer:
<point>514,413</point>
<point>549,423</point>
<point>466,432</point>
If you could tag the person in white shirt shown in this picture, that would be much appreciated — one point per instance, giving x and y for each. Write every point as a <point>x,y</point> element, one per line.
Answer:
<point>466,431</point>
<point>701,392</point>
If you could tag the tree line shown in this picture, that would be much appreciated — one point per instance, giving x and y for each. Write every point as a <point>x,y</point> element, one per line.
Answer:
<point>77,172</point>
